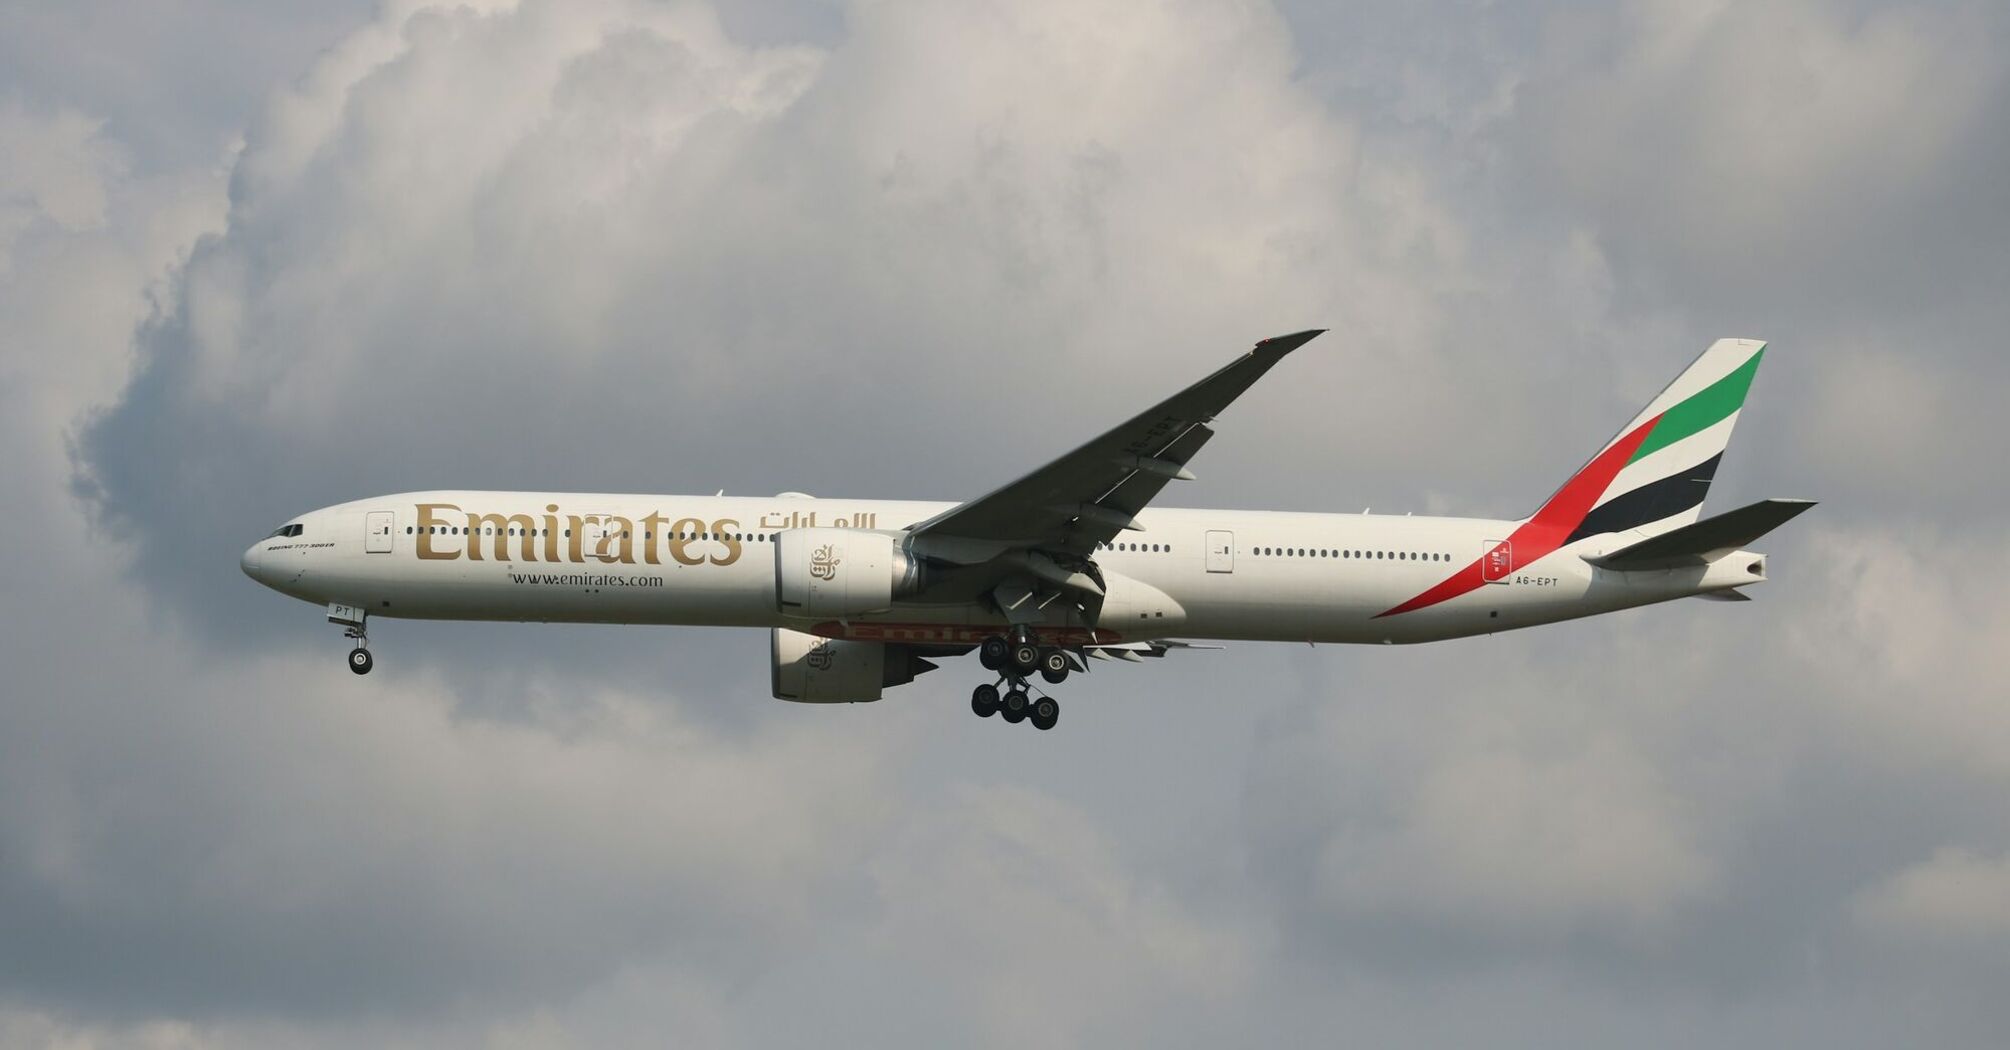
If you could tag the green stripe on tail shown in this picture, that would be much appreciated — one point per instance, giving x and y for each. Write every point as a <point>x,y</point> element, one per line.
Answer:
<point>1704,409</point>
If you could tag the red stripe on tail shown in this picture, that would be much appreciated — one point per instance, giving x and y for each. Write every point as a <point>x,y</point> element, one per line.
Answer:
<point>1541,535</point>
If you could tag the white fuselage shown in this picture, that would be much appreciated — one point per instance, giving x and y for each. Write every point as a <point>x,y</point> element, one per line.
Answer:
<point>710,560</point>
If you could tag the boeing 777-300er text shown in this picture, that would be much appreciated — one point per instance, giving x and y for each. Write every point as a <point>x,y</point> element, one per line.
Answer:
<point>1069,563</point>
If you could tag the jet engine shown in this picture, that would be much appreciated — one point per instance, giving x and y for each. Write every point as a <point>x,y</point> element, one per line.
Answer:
<point>823,573</point>
<point>813,670</point>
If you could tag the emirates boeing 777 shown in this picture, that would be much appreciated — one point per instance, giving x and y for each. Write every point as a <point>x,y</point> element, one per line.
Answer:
<point>1069,563</point>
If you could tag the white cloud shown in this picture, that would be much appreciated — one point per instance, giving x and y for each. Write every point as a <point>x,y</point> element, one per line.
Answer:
<point>1732,141</point>
<point>1954,895</point>
<point>1899,636</point>
<point>55,168</point>
<point>1081,943</point>
<point>1492,836</point>
<point>605,245</point>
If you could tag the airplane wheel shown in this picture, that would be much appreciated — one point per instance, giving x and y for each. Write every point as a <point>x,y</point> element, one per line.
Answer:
<point>360,661</point>
<point>994,652</point>
<point>1045,713</point>
<point>984,700</point>
<point>1015,706</point>
<point>1025,657</point>
<point>1054,666</point>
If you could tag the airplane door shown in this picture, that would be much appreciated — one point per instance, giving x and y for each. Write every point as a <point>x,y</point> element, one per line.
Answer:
<point>377,531</point>
<point>1221,552</point>
<point>1496,561</point>
<point>599,537</point>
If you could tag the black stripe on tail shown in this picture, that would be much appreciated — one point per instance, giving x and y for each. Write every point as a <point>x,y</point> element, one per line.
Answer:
<point>1650,502</point>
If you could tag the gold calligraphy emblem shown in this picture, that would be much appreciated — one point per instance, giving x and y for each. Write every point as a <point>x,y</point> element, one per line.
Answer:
<point>819,657</point>
<point>824,563</point>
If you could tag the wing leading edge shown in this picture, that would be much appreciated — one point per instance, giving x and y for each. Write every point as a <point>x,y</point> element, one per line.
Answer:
<point>1090,495</point>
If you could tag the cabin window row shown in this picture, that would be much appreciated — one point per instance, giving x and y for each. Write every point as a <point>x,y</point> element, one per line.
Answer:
<point>1326,552</point>
<point>1142,548</point>
<point>489,530</point>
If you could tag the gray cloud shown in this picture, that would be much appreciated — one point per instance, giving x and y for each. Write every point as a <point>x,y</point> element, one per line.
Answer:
<point>909,250</point>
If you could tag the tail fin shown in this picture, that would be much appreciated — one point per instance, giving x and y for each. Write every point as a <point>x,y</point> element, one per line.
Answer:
<point>1653,476</point>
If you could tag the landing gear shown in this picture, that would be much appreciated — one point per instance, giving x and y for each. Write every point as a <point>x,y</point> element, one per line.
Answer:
<point>1054,666</point>
<point>994,652</point>
<point>354,623</point>
<point>1025,657</point>
<point>1016,657</point>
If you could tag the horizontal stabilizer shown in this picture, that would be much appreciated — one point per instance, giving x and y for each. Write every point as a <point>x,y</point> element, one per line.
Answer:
<point>1732,595</point>
<point>1697,544</point>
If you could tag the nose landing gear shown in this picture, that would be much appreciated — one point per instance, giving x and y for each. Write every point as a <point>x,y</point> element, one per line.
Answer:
<point>1016,659</point>
<point>355,628</point>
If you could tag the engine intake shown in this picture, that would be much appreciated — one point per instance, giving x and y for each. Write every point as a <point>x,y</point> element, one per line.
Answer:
<point>813,670</point>
<point>823,573</point>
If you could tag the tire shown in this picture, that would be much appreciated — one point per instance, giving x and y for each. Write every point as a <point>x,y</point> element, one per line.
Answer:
<point>993,653</point>
<point>360,660</point>
<point>1054,666</point>
<point>984,701</point>
<point>1014,707</point>
<point>1025,657</point>
<point>1045,713</point>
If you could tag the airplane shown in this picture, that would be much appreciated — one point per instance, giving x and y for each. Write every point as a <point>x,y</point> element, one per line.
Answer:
<point>1069,564</point>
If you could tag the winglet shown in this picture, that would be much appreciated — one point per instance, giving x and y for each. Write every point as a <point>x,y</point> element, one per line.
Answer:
<point>1284,344</point>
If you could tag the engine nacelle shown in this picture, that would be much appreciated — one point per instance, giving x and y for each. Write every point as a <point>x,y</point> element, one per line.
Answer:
<point>823,573</point>
<point>813,670</point>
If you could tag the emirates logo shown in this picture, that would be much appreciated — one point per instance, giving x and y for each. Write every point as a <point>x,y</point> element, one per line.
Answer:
<point>819,657</point>
<point>824,563</point>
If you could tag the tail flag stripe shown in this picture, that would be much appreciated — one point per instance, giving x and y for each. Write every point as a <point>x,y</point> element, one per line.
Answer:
<point>1626,487</point>
<point>1665,498</point>
<point>1704,409</point>
<point>1548,530</point>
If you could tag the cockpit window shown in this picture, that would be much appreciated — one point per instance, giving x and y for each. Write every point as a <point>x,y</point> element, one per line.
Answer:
<point>294,529</point>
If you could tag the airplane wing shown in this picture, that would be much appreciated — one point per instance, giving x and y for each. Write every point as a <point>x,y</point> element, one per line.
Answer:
<point>1091,494</point>
<point>1135,652</point>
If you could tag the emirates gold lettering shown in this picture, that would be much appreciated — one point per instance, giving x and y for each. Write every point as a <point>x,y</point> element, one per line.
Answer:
<point>607,538</point>
<point>427,524</point>
<point>682,534</point>
<point>478,523</point>
<point>730,539</point>
<point>652,529</point>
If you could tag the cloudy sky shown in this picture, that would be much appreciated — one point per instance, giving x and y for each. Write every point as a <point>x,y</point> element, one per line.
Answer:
<point>261,257</point>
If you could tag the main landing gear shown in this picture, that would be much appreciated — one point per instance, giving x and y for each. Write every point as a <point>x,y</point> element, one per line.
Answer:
<point>1016,659</point>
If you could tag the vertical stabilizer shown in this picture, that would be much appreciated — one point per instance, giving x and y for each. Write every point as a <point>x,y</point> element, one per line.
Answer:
<point>1653,476</point>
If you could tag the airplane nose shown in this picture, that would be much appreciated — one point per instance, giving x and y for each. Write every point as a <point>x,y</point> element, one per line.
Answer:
<point>249,562</point>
